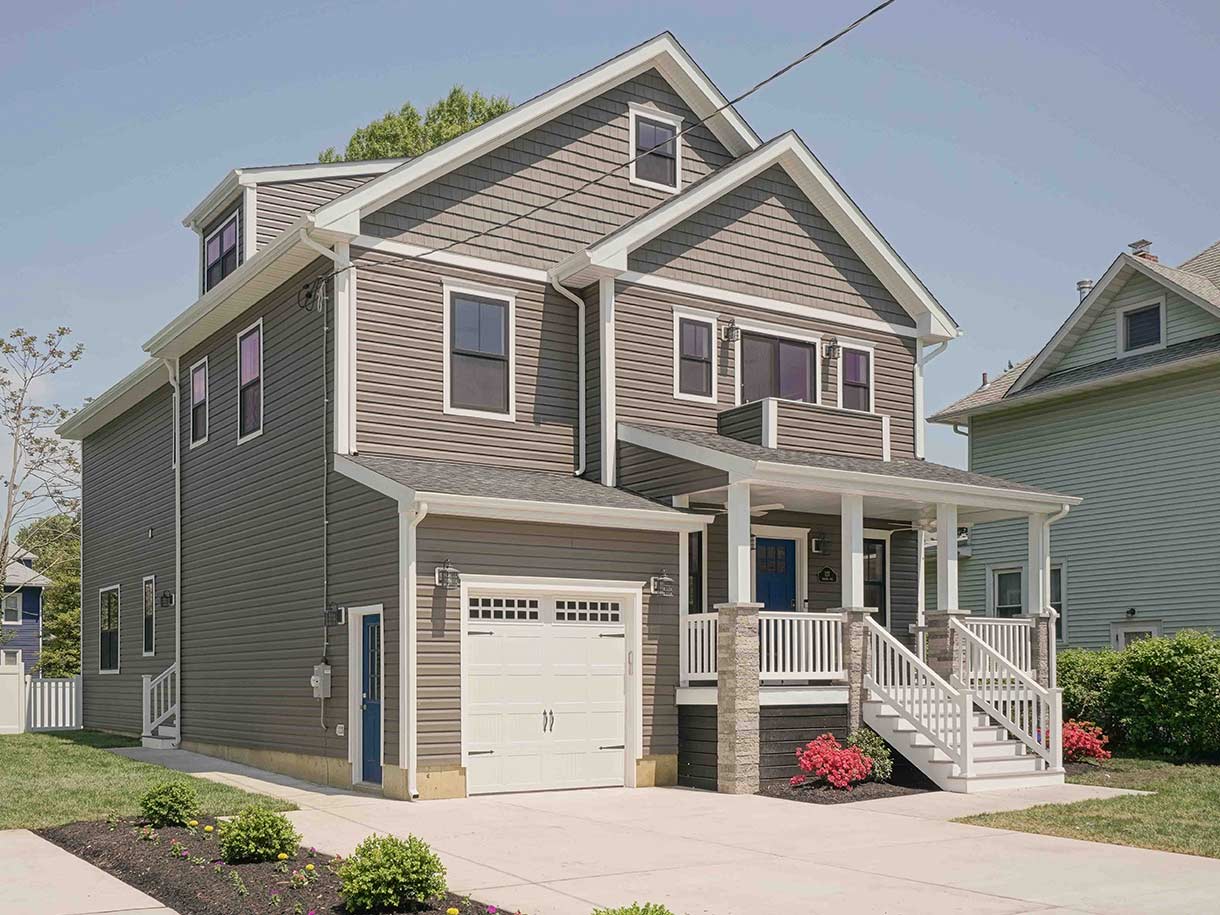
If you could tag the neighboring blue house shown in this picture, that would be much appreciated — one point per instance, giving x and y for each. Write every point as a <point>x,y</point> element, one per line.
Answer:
<point>21,612</point>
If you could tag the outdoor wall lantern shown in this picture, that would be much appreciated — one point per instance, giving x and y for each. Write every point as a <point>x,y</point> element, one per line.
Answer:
<point>662,584</point>
<point>830,349</point>
<point>447,576</point>
<point>818,543</point>
<point>731,332</point>
<point>167,599</point>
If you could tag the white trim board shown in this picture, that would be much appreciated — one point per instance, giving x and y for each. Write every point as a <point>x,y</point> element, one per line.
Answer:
<point>709,319</point>
<point>1120,327</point>
<point>635,111</point>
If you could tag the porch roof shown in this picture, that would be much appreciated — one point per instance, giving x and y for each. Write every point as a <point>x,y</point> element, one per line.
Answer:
<point>911,480</point>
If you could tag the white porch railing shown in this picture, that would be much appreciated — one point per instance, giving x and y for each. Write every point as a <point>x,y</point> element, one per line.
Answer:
<point>161,701</point>
<point>791,646</point>
<point>1029,711</point>
<point>53,703</point>
<point>1010,638</point>
<point>940,712</point>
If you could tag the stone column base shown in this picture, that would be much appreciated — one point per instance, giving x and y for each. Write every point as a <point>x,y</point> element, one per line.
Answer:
<point>737,698</point>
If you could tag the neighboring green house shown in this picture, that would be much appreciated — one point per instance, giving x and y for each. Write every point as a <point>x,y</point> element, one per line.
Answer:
<point>1122,408</point>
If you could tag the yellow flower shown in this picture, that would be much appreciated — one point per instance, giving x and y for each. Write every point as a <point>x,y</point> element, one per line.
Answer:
<point>207,828</point>
<point>452,911</point>
<point>193,823</point>
<point>282,856</point>
<point>308,867</point>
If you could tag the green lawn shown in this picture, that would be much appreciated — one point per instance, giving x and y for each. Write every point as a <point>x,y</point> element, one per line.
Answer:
<point>49,779</point>
<point>1183,815</point>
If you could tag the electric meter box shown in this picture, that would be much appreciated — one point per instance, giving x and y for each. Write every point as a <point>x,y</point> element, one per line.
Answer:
<point>320,681</point>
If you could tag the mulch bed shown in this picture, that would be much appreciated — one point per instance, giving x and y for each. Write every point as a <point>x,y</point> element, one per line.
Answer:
<point>199,883</point>
<point>824,794</point>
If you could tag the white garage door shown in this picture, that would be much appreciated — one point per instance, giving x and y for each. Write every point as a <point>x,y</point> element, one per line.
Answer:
<point>544,691</point>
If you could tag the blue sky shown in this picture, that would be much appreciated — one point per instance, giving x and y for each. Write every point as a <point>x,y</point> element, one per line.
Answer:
<point>1006,150</point>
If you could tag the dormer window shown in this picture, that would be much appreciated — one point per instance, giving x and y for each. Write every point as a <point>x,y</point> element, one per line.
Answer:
<point>220,251</point>
<point>1141,328</point>
<point>656,149</point>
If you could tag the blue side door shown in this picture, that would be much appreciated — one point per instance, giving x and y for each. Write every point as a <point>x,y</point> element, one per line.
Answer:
<point>370,705</point>
<point>775,573</point>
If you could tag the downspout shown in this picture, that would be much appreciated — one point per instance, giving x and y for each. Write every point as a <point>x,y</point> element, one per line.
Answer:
<point>171,366</point>
<point>922,358</point>
<point>580,361</point>
<point>408,639</point>
<point>1052,674</point>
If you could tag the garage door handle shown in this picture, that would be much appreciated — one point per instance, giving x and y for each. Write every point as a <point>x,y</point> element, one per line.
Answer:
<point>611,635</point>
<point>479,632</point>
<point>615,746</point>
<point>551,725</point>
<point>479,752</point>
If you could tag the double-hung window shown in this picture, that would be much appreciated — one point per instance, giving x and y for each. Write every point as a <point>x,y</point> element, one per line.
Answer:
<point>778,367</point>
<point>856,379</point>
<point>11,604</point>
<point>220,251</point>
<point>694,356</point>
<point>108,629</point>
<point>250,382</point>
<point>1008,593</point>
<point>199,402</point>
<point>1057,599</point>
<point>694,571</point>
<point>148,599</point>
<point>479,353</point>
<point>1141,328</point>
<point>656,152</point>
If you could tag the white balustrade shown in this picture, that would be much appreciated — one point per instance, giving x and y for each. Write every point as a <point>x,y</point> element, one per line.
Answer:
<point>160,699</point>
<point>791,646</point>
<point>700,660</point>
<point>1010,638</point>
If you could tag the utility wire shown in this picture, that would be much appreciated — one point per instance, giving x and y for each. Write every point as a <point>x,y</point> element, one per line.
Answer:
<point>617,168</point>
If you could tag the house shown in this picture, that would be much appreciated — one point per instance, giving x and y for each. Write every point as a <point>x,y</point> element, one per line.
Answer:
<point>410,498</point>
<point>21,610</point>
<point>1119,407</point>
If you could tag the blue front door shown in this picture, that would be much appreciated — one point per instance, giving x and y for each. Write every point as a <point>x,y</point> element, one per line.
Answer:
<point>775,573</point>
<point>370,700</point>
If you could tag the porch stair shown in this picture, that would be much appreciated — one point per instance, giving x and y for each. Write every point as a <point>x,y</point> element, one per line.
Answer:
<point>160,709</point>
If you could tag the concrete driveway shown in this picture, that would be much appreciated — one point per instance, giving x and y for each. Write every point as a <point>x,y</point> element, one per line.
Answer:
<point>563,853</point>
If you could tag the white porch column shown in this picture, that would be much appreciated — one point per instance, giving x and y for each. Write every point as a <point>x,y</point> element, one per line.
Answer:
<point>740,590</point>
<point>946,557</point>
<point>1037,585</point>
<point>852,512</point>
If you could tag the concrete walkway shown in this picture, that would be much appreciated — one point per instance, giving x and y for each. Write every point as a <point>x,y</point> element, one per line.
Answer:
<point>563,853</point>
<point>43,879</point>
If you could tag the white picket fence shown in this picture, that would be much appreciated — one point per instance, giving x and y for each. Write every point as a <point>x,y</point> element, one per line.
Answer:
<point>38,704</point>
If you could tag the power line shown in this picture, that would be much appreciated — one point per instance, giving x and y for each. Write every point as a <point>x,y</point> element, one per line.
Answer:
<point>617,168</point>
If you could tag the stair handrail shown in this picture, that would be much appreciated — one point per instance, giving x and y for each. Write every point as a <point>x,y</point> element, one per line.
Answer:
<point>1000,688</point>
<point>160,698</point>
<point>935,708</point>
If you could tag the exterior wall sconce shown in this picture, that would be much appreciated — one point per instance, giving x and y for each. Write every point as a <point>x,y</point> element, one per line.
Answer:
<point>447,576</point>
<point>731,332</point>
<point>335,615</point>
<point>662,584</point>
<point>830,349</point>
<point>166,599</point>
<point>819,544</point>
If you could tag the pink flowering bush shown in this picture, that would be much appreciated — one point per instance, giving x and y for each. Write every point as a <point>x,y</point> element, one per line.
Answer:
<point>1084,740</point>
<point>827,759</point>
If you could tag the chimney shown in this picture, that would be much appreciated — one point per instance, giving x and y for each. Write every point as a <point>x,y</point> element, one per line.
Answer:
<point>1083,288</point>
<point>985,381</point>
<point>1143,248</point>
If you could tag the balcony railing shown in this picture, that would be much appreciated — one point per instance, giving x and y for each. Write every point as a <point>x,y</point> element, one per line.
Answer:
<point>791,647</point>
<point>1010,638</point>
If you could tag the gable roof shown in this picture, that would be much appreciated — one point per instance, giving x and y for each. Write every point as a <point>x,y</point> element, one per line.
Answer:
<point>1190,286</point>
<point>1206,263</point>
<point>662,53</point>
<point>19,575</point>
<point>985,395</point>
<point>608,255</point>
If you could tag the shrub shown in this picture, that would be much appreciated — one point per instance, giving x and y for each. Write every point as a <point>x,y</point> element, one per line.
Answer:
<point>1084,740</point>
<point>173,803</point>
<point>257,834</point>
<point>1085,676</point>
<point>872,745</point>
<point>1165,695</point>
<point>827,759</point>
<point>388,874</point>
<point>648,908</point>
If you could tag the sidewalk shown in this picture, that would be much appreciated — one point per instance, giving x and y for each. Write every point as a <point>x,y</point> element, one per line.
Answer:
<point>43,879</point>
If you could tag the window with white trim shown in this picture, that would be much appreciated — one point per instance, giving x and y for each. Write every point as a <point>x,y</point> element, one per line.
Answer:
<point>479,360</point>
<point>1057,601</point>
<point>11,604</point>
<point>220,251</point>
<point>250,381</point>
<point>1007,592</point>
<point>1141,328</point>
<point>108,629</point>
<point>856,379</point>
<point>656,149</point>
<point>9,657</point>
<point>148,599</point>
<point>1125,633</point>
<point>778,367</point>
<point>695,589</point>
<point>694,357</point>
<point>503,609</point>
<point>199,402</point>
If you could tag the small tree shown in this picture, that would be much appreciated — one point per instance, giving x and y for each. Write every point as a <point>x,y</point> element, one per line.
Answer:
<point>403,133</point>
<point>55,543</point>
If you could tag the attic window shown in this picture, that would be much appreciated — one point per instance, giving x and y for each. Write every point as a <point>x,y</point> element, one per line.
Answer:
<point>220,251</point>
<point>1141,328</point>
<point>656,150</point>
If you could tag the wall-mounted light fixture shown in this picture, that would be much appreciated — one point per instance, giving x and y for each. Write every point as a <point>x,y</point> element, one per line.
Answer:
<point>731,333</point>
<point>662,584</point>
<point>830,349</point>
<point>167,599</point>
<point>819,544</point>
<point>335,615</point>
<point>447,576</point>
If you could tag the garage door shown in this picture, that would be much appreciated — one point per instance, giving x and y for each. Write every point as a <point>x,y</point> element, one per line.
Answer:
<point>544,691</point>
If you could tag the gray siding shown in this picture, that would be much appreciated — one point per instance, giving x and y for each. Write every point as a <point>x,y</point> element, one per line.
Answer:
<point>514,548</point>
<point>282,202</point>
<point>644,368</point>
<point>400,365</point>
<point>766,238</point>
<point>744,423</point>
<point>1143,457</point>
<point>809,427</point>
<point>904,585</point>
<point>128,496</point>
<point>660,476</point>
<point>1183,321</point>
<point>550,160</point>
